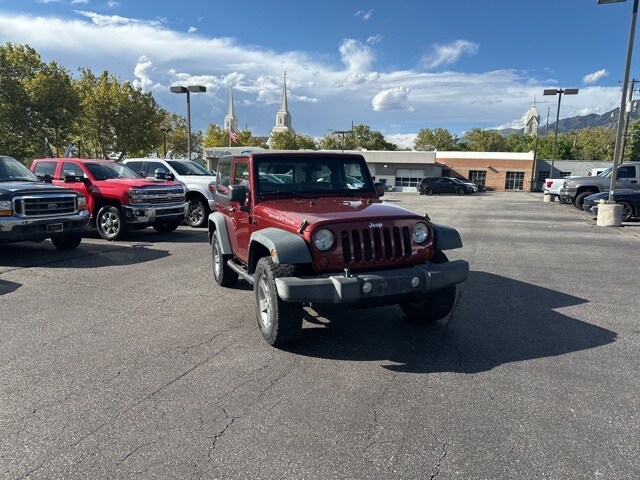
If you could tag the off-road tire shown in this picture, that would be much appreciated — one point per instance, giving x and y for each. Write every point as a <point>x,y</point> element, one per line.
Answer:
<point>168,228</point>
<point>110,223</point>
<point>280,322</point>
<point>224,275</point>
<point>68,241</point>
<point>577,202</point>
<point>627,211</point>
<point>431,307</point>
<point>197,213</point>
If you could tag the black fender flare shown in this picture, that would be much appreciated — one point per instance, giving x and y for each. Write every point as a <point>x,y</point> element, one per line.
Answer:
<point>216,223</point>
<point>283,246</point>
<point>447,238</point>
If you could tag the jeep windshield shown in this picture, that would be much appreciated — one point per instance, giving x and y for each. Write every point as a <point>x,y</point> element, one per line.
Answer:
<point>110,171</point>
<point>307,175</point>
<point>188,168</point>
<point>12,170</point>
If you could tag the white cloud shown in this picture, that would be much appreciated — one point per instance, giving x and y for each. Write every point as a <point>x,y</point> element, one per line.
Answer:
<point>366,15</point>
<point>79,2</point>
<point>141,72</point>
<point>448,54</point>
<point>391,99</point>
<point>356,56</point>
<point>594,77</point>
<point>374,39</point>
<point>403,140</point>
<point>114,20</point>
<point>192,30</point>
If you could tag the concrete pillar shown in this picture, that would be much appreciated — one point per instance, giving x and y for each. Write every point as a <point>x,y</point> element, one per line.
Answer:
<point>609,214</point>
<point>549,198</point>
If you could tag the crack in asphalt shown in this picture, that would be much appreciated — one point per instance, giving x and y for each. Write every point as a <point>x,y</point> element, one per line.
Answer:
<point>436,470</point>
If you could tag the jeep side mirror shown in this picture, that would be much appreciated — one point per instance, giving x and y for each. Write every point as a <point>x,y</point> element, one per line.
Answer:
<point>380,189</point>
<point>238,193</point>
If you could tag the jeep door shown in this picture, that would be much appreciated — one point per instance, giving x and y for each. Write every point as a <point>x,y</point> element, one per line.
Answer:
<point>240,214</point>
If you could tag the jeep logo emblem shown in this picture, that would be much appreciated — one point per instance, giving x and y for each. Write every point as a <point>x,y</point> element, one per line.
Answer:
<point>375,225</point>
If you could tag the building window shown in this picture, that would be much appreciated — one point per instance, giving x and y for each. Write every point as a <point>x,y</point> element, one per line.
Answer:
<point>407,181</point>
<point>478,176</point>
<point>514,181</point>
<point>565,174</point>
<point>543,175</point>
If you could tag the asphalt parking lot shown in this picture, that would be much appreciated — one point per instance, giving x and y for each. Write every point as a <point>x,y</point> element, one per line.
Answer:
<point>126,360</point>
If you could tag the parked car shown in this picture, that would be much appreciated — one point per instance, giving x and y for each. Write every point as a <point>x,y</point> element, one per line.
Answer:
<point>31,209</point>
<point>431,185</point>
<point>195,178</point>
<point>474,186</point>
<point>119,199</point>
<point>629,199</point>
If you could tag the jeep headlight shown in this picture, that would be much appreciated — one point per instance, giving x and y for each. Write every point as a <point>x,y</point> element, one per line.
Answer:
<point>420,232</point>
<point>136,195</point>
<point>323,239</point>
<point>6,209</point>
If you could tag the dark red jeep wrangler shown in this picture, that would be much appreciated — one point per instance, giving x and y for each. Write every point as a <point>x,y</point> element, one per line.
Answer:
<point>310,228</point>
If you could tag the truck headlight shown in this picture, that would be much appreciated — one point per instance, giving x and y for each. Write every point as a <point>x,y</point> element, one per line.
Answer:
<point>136,195</point>
<point>82,202</point>
<point>6,209</point>
<point>323,239</point>
<point>420,232</point>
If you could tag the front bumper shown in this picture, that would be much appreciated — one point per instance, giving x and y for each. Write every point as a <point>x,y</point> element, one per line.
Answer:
<point>340,288</point>
<point>19,228</point>
<point>146,214</point>
<point>567,193</point>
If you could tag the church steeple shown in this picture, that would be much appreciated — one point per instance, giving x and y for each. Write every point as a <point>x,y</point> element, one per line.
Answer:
<point>283,117</point>
<point>230,120</point>
<point>532,120</point>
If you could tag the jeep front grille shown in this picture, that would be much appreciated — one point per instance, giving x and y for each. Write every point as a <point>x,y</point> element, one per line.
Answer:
<point>45,205</point>
<point>375,244</point>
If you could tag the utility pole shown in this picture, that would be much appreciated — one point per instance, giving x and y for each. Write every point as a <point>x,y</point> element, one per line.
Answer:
<point>627,112</point>
<point>341,132</point>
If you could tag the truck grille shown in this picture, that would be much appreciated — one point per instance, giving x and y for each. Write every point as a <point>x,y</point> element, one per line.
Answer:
<point>45,205</point>
<point>366,245</point>
<point>155,196</point>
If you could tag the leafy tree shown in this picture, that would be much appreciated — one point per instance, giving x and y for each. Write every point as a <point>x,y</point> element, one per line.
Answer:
<point>117,118</point>
<point>632,143</point>
<point>285,141</point>
<point>439,139</point>
<point>478,140</point>
<point>216,137</point>
<point>360,136</point>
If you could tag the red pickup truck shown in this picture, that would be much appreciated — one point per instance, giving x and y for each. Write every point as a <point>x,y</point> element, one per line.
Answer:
<point>118,198</point>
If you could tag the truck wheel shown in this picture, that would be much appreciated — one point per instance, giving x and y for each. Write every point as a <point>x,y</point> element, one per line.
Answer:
<point>577,202</point>
<point>67,242</point>
<point>280,322</point>
<point>432,306</point>
<point>196,214</point>
<point>627,211</point>
<point>110,223</point>
<point>166,228</point>
<point>222,273</point>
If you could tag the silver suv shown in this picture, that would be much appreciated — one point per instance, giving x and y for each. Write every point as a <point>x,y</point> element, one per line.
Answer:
<point>195,178</point>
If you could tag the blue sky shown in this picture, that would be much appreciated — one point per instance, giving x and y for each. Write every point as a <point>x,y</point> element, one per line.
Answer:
<point>395,66</point>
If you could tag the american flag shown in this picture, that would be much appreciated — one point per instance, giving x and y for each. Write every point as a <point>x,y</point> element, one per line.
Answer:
<point>233,136</point>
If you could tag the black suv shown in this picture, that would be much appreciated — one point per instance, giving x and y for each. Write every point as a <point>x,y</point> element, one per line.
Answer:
<point>431,185</point>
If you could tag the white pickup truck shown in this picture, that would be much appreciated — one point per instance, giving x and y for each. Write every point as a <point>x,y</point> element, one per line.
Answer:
<point>552,186</point>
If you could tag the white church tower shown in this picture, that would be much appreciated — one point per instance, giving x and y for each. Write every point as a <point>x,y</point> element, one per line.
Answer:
<point>283,117</point>
<point>532,120</point>
<point>230,120</point>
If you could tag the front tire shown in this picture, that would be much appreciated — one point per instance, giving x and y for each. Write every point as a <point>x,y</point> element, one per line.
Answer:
<point>222,273</point>
<point>166,228</point>
<point>431,307</point>
<point>280,322</point>
<point>459,191</point>
<point>110,223</point>
<point>627,211</point>
<point>67,242</point>
<point>577,202</point>
<point>428,191</point>
<point>197,213</point>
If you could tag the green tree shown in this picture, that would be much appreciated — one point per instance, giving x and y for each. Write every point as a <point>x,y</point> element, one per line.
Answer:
<point>284,141</point>
<point>359,137</point>
<point>117,118</point>
<point>216,137</point>
<point>438,139</point>
<point>478,140</point>
<point>632,143</point>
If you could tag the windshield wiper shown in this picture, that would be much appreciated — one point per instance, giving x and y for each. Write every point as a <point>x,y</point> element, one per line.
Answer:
<point>289,191</point>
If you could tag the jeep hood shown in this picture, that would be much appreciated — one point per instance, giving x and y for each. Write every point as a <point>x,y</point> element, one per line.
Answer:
<point>330,210</point>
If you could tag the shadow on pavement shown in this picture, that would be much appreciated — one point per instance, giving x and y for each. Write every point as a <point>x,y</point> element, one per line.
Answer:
<point>498,320</point>
<point>7,287</point>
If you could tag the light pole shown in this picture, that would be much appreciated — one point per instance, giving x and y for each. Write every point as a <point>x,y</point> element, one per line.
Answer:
<point>165,130</point>
<point>188,90</point>
<point>617,152</point>
<point>559,92</point>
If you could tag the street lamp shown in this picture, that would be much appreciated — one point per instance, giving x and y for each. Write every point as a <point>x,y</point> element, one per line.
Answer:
<point>165,130</point>
<point>188,90</point>
<point>559,92</point>
<point>617,154</point>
